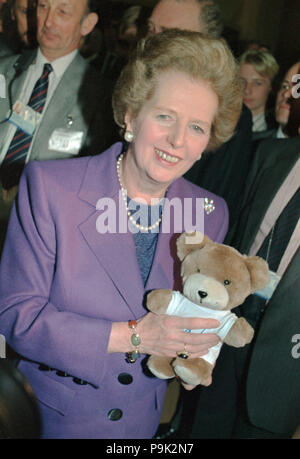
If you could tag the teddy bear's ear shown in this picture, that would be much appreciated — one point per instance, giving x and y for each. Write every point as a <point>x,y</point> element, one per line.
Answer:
<point>187,242</point>
<point>259,272</point>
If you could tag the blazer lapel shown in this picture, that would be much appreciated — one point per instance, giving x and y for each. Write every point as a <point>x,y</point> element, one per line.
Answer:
<point>114,250</point>
<point>161,276</point>
<point>15,77</point>
<point>17,86</point>
<point>116,254</point>
<point>165,272</point>
<point>66,94</point>
<point>23,62</point>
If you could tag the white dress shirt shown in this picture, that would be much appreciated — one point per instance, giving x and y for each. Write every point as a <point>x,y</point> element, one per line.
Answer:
<point>259,123</point>
<point>280,134</point>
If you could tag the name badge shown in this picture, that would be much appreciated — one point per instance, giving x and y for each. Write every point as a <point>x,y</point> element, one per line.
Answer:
<point>66,141</point>
<point>24,117</point>
<point>269,289</point>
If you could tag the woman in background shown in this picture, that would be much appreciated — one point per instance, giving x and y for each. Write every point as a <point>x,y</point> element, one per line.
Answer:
<point>258,68</point>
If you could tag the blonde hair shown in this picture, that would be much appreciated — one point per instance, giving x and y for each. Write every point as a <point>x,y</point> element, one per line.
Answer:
<point>263,62</point>
<point>201,58</point>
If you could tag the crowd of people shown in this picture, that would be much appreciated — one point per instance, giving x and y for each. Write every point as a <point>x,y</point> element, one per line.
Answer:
<point>131,109</point>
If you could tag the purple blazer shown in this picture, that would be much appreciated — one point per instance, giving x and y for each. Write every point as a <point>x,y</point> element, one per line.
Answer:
<point>63,283</point>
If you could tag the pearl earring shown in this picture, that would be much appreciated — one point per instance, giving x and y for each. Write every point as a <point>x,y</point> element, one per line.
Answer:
<point>128,136</point>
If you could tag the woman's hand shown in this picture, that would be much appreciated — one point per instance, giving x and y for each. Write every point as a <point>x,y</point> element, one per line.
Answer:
<point>164,335</point>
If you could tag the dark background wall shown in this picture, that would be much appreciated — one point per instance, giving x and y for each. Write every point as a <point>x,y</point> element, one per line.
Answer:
<point>275,23</point>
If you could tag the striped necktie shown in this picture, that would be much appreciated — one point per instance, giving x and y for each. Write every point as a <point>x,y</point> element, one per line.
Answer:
<point>15,158</point>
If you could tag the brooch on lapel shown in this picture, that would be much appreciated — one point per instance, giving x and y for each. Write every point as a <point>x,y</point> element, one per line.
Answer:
<point>208,205</point>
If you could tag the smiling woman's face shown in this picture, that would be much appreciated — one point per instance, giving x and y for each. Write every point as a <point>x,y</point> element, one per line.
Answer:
<point>170,132</point>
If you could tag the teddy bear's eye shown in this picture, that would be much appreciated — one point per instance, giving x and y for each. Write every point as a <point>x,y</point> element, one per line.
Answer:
<point>198,270</point>
<point>226,282</point>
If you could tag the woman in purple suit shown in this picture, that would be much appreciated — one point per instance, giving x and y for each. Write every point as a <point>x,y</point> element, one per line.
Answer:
<point>89,237</point>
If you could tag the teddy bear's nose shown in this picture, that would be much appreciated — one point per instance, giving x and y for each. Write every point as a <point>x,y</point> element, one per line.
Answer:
<point>202,294</point>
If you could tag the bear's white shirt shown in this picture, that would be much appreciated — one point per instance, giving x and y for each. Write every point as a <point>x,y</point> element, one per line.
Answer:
<point>181,306</point>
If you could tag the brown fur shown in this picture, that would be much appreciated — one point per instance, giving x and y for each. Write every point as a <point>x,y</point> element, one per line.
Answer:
<point>240,334</point>
<point>158,300</point>
<point>240,275</point>
<point>193,371</point>
<point>161,367</point>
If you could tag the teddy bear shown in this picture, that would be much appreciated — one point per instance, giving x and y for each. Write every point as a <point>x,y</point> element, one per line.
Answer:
<point>216,278</point>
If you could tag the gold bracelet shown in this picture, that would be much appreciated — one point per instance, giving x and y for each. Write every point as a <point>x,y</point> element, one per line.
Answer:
<point>135,341</point>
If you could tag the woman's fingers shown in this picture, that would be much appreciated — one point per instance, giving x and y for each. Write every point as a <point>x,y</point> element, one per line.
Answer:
<point>166,335</point>
<point>192,323</point>
<point>188,323</point>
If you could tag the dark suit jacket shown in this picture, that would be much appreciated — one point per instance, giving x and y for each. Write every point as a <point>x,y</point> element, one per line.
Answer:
<point>269,133</point>
<point>273,384</point>
<point>225,170</point>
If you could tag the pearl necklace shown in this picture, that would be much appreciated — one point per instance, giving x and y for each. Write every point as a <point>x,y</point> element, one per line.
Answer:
<point>124,195</point>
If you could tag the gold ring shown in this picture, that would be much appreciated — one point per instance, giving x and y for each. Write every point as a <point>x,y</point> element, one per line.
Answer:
<point>183,354</point>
